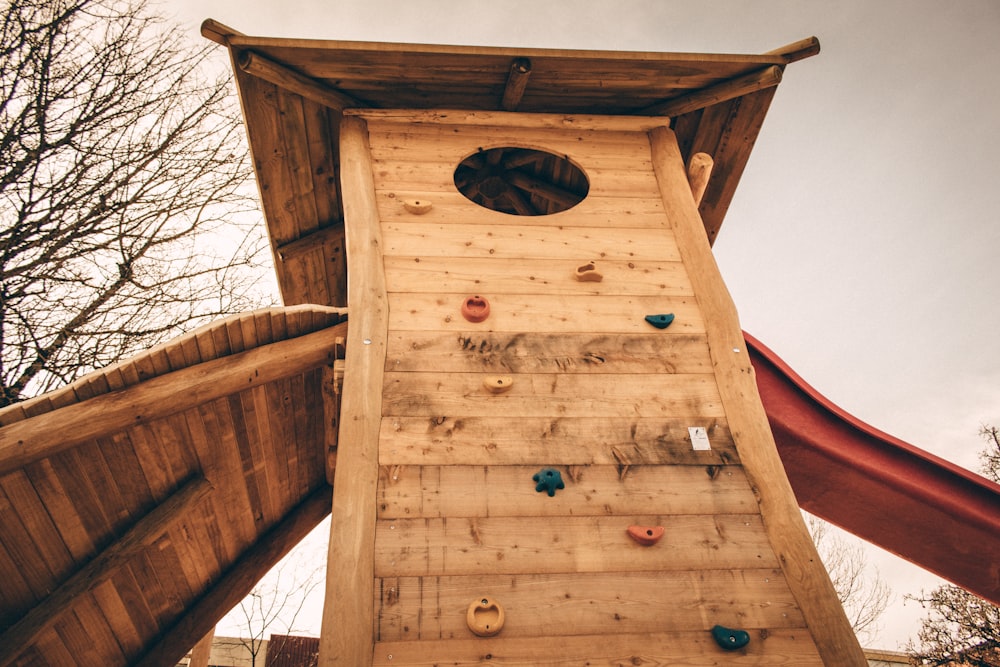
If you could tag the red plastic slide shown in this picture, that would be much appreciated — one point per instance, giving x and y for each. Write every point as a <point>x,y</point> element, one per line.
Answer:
<point>925,509</point>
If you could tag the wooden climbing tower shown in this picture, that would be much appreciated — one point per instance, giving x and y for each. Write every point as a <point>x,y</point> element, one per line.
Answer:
<point>539,418</point>
<point>551,447</point>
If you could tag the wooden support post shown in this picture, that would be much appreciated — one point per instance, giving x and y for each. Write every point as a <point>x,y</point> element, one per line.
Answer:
<point>727,90</point>
<point>517,82</point>
<point>806,576</point>
<point>44,435</point>
<point>283,77</point>
<point>144,533</point>
<point>348,613</point>
<point>202,651</point>
<point>238,580</point>
<point>699,171</point>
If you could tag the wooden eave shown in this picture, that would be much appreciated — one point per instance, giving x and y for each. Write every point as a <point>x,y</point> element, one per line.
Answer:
<point>293,92</point>
<point>142,502</point>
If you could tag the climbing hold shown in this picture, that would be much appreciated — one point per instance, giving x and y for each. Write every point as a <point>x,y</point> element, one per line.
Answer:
<point>647,536</point>
<point>498,384</point>
<point>730,639</point>
<point>660,321</point>
<point>548,480</point>
<point>417,206</point>
<point>485,616</point>
<point>588,273</point>
<point>475,308</point>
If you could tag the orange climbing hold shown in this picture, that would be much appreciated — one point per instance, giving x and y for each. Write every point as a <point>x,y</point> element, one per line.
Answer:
<point>647,536</point>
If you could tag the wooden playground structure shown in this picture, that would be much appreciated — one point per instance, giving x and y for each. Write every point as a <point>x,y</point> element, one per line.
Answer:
<point>509,367</point>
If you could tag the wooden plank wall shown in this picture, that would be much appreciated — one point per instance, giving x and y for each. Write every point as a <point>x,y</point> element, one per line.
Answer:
<point>597,393</point>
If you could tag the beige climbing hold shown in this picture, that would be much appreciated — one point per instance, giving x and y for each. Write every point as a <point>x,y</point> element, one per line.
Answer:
<point>498,384</point>
<point>588,273</point>
<point>485,617</point>
<point>417,206</point>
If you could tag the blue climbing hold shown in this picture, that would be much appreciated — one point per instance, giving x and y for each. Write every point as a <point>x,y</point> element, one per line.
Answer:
<point>730,639</point>
<point>548,480</point>
<point>660,321</point>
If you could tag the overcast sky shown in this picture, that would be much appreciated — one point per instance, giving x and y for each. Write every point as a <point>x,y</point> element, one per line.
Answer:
<point>861,245</point>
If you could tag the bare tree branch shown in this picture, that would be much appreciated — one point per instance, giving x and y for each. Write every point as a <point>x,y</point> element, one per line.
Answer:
<point>127,214</point>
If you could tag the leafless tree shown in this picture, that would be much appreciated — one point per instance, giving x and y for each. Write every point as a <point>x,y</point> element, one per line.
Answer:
<point>125,194</point>
<point>961,628</point>
<point>860,589</point>
<point>277,602</point>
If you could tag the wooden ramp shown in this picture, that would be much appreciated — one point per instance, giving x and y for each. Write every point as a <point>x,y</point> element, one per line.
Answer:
<point>447,546</point>
<point>142,502</point>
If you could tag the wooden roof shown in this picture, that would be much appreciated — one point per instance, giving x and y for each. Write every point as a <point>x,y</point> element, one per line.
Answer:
<point>293,92</point>
<point>142,502</point>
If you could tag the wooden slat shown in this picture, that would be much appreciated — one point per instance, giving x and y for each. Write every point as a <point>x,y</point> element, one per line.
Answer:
<point>555,605</point>
<point>534,276</point>
<point>786,529</point>
<point>33,439</point>
<point>348,614</point>
<point>527,242</point>
<point>610,395</point>
<point>561,544</point>
<point>143,534</point>
<point>781,647</point>
<point>515,313</point>
<point>501,121</point>
<point>768,77</point>
<point>500,440</point>
<point>436,177</point>
<point>169,646</point>
<point>455,491</point>
<point>487,351</point>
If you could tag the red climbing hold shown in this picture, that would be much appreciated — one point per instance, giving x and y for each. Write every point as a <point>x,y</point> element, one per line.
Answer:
<point>475,308</point>
<point>647,536</point>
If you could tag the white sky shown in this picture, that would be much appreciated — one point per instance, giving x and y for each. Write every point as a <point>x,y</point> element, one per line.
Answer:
<point>861,245</point>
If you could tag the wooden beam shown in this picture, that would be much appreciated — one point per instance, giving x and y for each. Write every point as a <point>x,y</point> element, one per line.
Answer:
<point>293,249</point>
<point>722,92</point>
<point>699,171</point>
<point>201,653</point>
<point>804,48</point>
<point>348,612</point>
<point>44,435</point>
<point>217,32</point>
<point>237,581</point>
<point>287,78</point>
<point>517,82</point>
<point>786,530</point>
<point>541,188</point>
<point>145,532</point>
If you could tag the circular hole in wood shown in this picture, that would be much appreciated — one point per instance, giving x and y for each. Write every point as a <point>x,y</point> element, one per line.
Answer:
<point>521,181</point>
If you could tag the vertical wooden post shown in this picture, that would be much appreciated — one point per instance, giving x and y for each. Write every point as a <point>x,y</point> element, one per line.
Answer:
<point>202,651</point>
<point>348,613</point>
<point>806,576</point>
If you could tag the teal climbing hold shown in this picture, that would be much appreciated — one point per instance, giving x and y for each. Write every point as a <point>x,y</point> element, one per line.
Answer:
<point>660,321</point>
<point>548,480</point>
<point>730,639</point>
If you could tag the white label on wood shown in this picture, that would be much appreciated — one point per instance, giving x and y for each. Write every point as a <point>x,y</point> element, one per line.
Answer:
<point>699,438</point>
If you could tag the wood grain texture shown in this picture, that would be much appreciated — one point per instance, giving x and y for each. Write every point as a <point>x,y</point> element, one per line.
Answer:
<point>519,545</point>
<point>427,394</point>
<point>499,440</point>
<point>781,648</point>
<point>527,241</point>
<point>554,605</point>
<point>487,351</point>
<point>517,313</point>
<point>534,276</point>
<point>791,542</point>
<point>474,492</point>
<point>348,614</point>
